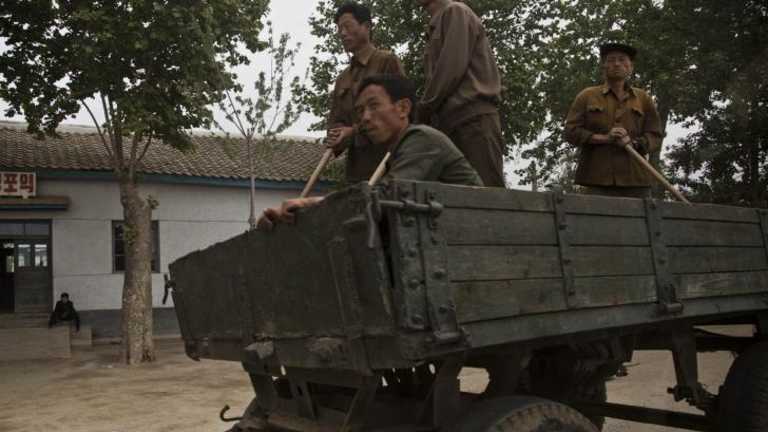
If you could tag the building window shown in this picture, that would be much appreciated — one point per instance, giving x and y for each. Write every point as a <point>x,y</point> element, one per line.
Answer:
<point>118,247</point>
<point>31,254</point>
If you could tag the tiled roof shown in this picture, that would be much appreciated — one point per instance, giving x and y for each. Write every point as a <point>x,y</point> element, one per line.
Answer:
<point>211,157</point>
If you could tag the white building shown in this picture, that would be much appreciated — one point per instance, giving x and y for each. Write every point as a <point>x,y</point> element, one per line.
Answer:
<point>67,237</point>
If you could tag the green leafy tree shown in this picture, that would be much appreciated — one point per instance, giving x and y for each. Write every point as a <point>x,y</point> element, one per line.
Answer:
<point>548,51</point>
<point>153,68</point>
<point>399,25</point>
<point>726,160</point>
<point>261,117</point>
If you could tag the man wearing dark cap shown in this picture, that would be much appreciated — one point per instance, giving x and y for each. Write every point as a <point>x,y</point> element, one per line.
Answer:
<point>353,22</point>
<point>463,87</point>
<point>603,119</point>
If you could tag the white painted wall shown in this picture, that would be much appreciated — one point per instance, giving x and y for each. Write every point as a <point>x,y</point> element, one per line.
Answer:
<point>189,218</point>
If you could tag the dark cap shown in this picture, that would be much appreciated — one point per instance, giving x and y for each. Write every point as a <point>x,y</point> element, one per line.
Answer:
<point>614,47</point>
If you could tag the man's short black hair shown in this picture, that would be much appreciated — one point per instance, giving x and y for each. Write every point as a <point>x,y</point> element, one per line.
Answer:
<point>64,295</point>
<point>397,87</point>
<point>361,13</point>
<point>608,48</point>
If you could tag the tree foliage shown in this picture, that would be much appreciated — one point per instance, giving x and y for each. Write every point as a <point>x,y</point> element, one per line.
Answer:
<point>694,55</point>
<point>726,159</point>
<point>153,67</point>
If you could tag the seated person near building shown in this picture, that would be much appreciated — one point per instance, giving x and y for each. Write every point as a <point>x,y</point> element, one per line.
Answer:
<point>64,311</point>
<point>418,152</point>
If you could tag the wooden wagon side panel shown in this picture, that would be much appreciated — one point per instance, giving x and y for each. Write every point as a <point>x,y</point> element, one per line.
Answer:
<point>515,253</point>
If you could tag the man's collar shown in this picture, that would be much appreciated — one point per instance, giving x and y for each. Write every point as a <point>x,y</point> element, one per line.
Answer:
<point>395,145</point>
<point>443,6</point>
<point>364,56</point>
<point>628,88</point>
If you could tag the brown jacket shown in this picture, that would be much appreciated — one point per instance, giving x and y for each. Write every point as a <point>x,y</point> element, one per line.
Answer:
<point>597,110</point>
<point>463,80</point>
<point>362,156</point>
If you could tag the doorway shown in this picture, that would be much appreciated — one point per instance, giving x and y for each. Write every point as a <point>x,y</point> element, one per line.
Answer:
<point>25,274</point>
<point>7,271</point>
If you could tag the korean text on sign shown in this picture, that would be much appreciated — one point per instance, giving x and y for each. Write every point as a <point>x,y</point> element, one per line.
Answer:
<point>18,184</point>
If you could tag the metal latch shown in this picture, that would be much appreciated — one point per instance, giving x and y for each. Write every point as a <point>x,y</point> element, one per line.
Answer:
<point>374,211</point>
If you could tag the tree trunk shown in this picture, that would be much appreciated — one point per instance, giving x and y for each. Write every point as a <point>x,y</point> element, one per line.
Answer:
<point>137,343</point>
<point>754,186</point>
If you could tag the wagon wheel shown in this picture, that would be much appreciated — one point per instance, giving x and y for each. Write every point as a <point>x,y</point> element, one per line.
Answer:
<point>560,382</point>
<point>523,414</point>
<point>743,401</point>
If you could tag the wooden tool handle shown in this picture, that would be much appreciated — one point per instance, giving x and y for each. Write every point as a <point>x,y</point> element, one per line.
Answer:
<point>315,175</point>
<point>379,170</point>
<point>648,167</point>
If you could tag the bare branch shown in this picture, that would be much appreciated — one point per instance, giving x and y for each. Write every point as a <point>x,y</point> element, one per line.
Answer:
<point>117,145</point>
<point>107,146</point>
<point>146,147</point>
<point>235,114</point>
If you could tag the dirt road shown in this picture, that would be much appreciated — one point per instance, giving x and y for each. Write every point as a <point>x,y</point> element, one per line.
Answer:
<point>92,393</point>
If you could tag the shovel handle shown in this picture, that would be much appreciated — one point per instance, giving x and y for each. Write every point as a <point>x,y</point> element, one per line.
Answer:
<point>648,167</point>
<point>315,175</point>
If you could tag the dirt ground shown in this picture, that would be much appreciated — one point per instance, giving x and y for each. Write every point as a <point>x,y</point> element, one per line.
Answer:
<point>92,393</point>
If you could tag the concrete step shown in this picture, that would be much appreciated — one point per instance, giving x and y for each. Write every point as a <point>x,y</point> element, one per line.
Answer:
<point>23,320</point>
<point>82,338</point>
<point>34,343</point>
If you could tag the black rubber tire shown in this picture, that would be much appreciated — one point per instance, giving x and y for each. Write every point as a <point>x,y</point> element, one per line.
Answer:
<point>558,385</point>
<point>523,414</point>
<point>743,400</point>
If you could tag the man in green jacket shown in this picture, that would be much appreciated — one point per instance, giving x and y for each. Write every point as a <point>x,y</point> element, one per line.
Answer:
<point>417,152</point>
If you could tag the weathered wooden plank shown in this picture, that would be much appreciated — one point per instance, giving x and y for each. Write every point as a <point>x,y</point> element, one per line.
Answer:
<point>678,232</point>
<point>486,263</point>
<point>500,227</point>
<point>613,291</point>
<point>716,259</point>
<point>607,231</point>
<point>595,261</point>
<point>711,212</point>
<point>476,301</point>
<point>492,198</point>
<point>692,286</point>
<point>601,205</point>
<point>581,321</point>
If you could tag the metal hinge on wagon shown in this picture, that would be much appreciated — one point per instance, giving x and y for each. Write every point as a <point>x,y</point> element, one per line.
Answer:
<point>374,211</point>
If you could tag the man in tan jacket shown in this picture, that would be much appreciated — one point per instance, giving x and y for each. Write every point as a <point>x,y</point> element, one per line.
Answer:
<point>463,87</point>
<point>606,117</point>
<point>353,22</point>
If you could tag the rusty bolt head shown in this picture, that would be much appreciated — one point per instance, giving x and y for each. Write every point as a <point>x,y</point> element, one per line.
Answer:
<point>439,273</point>
<point>414,283</point>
